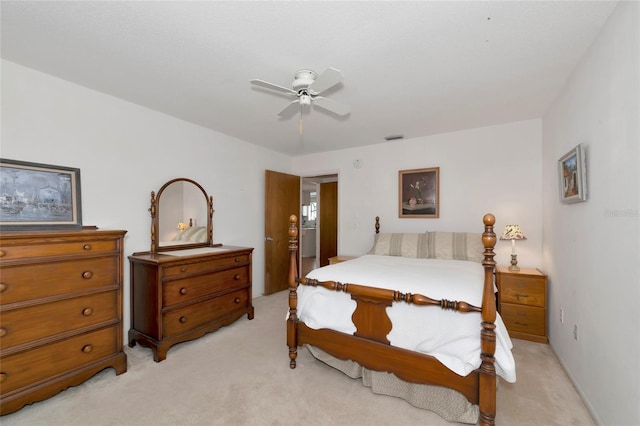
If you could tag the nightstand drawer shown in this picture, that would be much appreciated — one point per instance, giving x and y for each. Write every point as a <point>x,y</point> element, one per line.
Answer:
<point>523,290</point>
<point>524,319</point>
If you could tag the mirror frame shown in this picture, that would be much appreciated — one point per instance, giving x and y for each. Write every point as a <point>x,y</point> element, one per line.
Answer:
<point>155,219</point>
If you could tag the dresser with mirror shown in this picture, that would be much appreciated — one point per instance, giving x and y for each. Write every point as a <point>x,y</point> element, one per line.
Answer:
<point>186,285</point>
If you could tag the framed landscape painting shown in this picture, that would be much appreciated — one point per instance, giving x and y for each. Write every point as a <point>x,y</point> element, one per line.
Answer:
<point>572,175</point>
<point>419,193</point>
<point>39,196</point>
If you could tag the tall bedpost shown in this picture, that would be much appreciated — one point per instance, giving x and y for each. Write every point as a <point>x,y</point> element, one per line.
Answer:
<point>292,320</point>
<point>488,334</point>
<point>377,224</point>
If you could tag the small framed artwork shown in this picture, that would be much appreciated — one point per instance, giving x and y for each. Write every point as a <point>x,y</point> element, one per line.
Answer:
<point>419,193</point>
<point>39,196</point>
<point>572,174</point>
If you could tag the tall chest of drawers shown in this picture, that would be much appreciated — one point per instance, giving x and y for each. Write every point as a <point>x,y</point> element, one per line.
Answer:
<point>179,297</point>
<point>60,311</point>
<point>522,302</point>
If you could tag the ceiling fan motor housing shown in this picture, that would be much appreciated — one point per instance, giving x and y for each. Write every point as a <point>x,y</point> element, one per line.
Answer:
<point>303,79</point>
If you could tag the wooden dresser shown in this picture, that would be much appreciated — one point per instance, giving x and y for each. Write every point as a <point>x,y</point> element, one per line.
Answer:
<point>60,311</point>
<point>181,296</point>
<point>522,303</point>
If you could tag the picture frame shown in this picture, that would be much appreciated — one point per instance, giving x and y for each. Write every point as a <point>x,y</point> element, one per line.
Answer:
<point>572,176</point>
<point>37,196</point>
<point>419,193</point>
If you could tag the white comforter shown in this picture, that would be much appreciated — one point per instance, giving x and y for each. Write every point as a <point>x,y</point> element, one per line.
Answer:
<point>451,337</point>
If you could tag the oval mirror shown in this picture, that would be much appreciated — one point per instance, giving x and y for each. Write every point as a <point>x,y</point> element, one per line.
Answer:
<point>181,216</point>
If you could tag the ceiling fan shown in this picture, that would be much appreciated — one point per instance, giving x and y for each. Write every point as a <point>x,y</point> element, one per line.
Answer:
<point>307,87</point>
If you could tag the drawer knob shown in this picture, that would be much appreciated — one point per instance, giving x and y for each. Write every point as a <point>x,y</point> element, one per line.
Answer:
<point>2,253</point>
<point>3,377</point>
<point>183,269</point>
<point>87,348</point>
<point>237,259</point>
<point>86,247</point>
<point>3,287</point>
<point>87,312</point>
<point>236,300</point>
<point>183,320</point>
<point>3,332</point>
<point>183,291</point>
<point>236,277</point>
<point>87,275</point>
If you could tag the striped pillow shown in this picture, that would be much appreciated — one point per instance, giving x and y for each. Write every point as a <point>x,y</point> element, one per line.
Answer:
<point>455,245</point>
<point>430,245</point>
<point>405,245</point>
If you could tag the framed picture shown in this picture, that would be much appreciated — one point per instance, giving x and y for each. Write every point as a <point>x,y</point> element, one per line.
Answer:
<point>39,196</point>
<point>573,178</point>
<point>419,193</point>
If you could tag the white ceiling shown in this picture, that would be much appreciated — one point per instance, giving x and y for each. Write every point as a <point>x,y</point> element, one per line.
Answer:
<point>410,68</point>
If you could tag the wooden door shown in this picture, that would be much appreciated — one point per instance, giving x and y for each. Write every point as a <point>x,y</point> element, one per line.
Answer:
<point>282,199</point>
<point>328,215</point>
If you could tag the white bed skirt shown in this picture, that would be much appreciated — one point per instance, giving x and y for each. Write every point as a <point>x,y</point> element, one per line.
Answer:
<point>447,403</point>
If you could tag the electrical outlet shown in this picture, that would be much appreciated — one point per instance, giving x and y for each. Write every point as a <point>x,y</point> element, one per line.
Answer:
<point>561,315</point>
<point>575,332</point>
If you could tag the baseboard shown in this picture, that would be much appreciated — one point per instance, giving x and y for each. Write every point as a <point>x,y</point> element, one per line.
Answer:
<point>583,397</point>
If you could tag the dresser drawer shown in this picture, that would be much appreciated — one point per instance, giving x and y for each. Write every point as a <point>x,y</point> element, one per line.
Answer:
<point>49,247</point>
<point>18,326</point>
<point>524,319</point>
<point>20,283</point>
<point>205,265</point>
<point>47,361</point>
<point>523,290</point>
<point>184,319</point>
<point>188,289</point>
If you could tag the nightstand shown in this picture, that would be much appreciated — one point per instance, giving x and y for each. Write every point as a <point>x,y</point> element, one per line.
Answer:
<point>522,303</point>
<point>338,259</point>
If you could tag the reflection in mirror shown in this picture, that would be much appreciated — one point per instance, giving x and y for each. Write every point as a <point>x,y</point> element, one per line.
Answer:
<point>183,209</point>
<point>181,216</point>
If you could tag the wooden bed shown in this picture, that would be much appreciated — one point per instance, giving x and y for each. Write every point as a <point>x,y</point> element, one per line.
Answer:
<point>369,346</point>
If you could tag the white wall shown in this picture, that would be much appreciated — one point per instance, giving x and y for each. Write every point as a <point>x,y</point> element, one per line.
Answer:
<point>125,151</point>
<point>494,169</point>
<point>591,249</point>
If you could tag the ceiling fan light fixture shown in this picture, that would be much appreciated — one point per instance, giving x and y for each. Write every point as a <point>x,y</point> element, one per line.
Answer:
<point>305,100</point>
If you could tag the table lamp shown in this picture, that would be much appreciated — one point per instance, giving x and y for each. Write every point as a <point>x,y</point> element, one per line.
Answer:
<point>513,233</point>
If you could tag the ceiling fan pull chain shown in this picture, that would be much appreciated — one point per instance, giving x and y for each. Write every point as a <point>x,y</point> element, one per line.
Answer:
<point>300,121</point>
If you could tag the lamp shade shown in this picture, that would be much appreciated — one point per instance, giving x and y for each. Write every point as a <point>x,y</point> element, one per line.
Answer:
<point>512,232</point>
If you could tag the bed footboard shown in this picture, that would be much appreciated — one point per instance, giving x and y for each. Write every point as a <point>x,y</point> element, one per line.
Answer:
<point>369,345</point>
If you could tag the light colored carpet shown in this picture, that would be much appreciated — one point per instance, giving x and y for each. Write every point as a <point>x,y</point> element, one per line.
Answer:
<point>240,375</point>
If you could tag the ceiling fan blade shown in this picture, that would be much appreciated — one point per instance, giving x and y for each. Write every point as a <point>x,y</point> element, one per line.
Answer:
<point>290,109</point>
<point>326,80</point>
<point>272,86</point>
<point>332,106</point>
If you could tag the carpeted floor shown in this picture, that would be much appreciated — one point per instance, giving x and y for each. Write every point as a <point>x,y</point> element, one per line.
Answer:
<point>240,375</point>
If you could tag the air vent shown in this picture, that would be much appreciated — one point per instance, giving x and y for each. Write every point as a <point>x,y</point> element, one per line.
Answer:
<point>394,137</point>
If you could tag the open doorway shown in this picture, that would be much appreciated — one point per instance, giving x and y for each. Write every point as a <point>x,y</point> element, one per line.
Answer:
<point>319,221</point>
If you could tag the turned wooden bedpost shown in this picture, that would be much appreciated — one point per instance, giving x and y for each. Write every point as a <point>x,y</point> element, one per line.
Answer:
<point>292,321</point>
<point>488,334</point>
